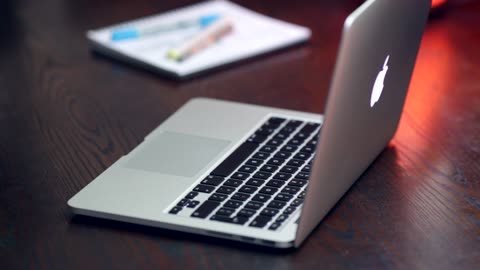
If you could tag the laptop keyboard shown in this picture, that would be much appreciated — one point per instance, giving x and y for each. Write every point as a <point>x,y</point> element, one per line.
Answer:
<point>262,183</point>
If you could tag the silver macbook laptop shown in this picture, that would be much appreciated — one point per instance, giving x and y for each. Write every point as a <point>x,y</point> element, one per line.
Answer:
<point>266,175</point>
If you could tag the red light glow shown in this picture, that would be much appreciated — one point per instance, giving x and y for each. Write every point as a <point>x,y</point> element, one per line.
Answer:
<point>437,3</point>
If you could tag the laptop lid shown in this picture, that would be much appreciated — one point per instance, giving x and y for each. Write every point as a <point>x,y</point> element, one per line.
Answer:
<point>379,45</point>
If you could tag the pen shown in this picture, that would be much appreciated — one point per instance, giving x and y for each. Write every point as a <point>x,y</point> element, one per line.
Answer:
<point>210,35</point>
<point>133,33</point>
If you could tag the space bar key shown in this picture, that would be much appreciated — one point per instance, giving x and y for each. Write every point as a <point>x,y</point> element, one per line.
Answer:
<point>235,159</point>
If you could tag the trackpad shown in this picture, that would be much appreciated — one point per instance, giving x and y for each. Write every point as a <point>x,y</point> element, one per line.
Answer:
<point>176,154</point>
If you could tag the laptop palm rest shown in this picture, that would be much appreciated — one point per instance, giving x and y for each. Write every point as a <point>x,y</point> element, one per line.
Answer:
<point>176,154</point>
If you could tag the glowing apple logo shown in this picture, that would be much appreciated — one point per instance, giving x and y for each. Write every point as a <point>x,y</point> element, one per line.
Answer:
<point>378,86</point>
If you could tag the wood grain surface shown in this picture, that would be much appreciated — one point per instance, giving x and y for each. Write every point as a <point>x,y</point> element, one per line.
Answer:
<point>66,114</point>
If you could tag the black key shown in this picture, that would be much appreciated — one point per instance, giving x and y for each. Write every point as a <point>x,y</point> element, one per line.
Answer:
<point>270,125</point>
<point>288,169</point>
<point>282,176</point>
<point>213,180</point>
<point>312,142</point>
<point>291,190</point>
<point>307,168</point>
<point>235,159</point>
<point>274,142</point>
<point>283,155</point>
<point>262,175</point>
<point>310,127</point>
<point>254,162</point>
<point>275,183</point>
<point>302,156</point>
<point>297,183</point>
<point>257,138</point>
<point>301,195</point>
<point>276,204</point>
<point>175,210</point>
<point>224,211</point>
<point>240,175</point>
<point>289,148</point>
<point>269,212</point>
<point>218,197</point>
<point>281,218</point>
<point>265,130</point>
<point>255,182</point>
<point>295,142</point>
<point>301,136</point>
<point>296,202</point>
<point>261,155</point>
<point>284,197</point>
<point>233,204</point>
<point>261,198</point>
<point>204,188</point>
<point>268,190</point>
<point>287,130</point>
<point>233,183</point>
<point>281,136</point>
<point>254,205</point>
<point>274,226</point>
<point>302,176</point>
<point>268,168</point>
<point>295,163</point>
<point>289,210</point>
<point>247,169</point>
<point>226,190</point>
<point>248,189</point>
<point>268,149</point>
<point>205,209</point>
<point>276,120</point>
<point>294,123</point>
<point>191,195</point>
<point>260,221</point>
<point>275,161</point>
<point>234,220</point>
<point>246,213</point>
<point>240,196</point>
<point>183,202</point>
<point>193,204</point>
<point>308,149</point>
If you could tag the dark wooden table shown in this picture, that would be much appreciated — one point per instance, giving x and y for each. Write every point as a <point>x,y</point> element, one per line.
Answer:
<point>67,114</point>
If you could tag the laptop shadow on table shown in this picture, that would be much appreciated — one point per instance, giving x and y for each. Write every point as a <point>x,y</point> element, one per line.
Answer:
<point>184,237</point>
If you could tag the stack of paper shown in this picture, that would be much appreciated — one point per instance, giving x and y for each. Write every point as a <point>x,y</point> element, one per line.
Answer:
<point>252,34</point>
